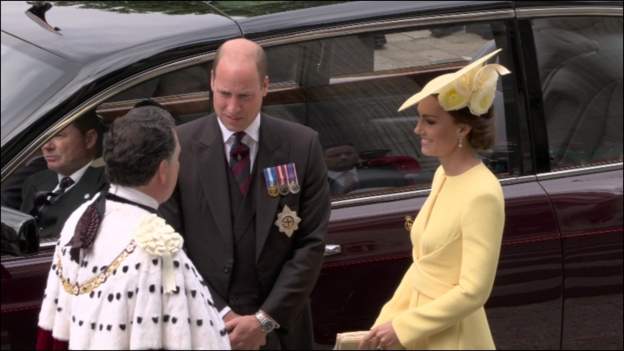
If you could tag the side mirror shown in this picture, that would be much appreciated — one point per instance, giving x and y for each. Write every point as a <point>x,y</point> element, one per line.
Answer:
<point>20,235</point>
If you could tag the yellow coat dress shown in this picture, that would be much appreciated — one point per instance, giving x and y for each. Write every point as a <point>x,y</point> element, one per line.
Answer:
<point>456,241</point>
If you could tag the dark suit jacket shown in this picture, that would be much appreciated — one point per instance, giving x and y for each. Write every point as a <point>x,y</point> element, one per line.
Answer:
<point>53,216</point>
<point>287,268</point>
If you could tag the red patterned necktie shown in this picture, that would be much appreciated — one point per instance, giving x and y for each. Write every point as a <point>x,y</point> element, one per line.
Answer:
<point>239,162</point>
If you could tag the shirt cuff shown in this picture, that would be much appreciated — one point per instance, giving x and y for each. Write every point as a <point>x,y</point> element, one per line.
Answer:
<point>225,310</point>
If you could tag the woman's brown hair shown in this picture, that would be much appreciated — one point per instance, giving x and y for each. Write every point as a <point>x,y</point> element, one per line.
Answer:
<point>481,136</point>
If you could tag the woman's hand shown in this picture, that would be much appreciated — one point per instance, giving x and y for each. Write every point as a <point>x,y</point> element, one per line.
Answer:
<point>379,338</point>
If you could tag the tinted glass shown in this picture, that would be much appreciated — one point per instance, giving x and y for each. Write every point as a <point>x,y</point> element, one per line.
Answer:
<point>29,76</point>
<point>580,67</point>
<point>349,89</point>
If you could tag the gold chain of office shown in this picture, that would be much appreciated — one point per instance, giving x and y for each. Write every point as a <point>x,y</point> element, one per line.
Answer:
<point>94,282</point>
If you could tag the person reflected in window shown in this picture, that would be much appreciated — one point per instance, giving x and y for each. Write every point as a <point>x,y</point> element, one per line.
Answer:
<point>349,171</point>
<point>342,161</point>
<point>456,237</point>
<point>71,177</point>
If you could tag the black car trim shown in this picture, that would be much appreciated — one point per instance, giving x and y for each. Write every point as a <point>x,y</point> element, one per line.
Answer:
<point>568,11</point>
<point>367,200</point>
<point>534,98</point>
<point>580,171</point>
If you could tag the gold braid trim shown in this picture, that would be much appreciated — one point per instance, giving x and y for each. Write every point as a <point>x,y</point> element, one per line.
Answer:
<point>94,282</point>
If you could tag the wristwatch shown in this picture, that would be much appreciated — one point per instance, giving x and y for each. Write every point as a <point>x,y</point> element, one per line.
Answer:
<point>267,324</point>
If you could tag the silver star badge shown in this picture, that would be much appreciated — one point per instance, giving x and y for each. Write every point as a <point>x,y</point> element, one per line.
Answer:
<point>287,221</point>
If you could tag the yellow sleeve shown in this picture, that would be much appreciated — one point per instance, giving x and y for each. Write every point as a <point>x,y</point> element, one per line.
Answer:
<point>399,301</point>
<point>482,227</point>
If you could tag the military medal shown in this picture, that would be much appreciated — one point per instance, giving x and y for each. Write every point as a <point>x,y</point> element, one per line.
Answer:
<point>269,179</point>
<point>287,221</point>
<point>283,184</point>
<point>293,182</point>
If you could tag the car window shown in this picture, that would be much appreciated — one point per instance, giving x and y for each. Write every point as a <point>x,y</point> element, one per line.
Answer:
<point>64,173</point>
<point>30,76</point>
<point>348,89</point>
<point>582,88</point>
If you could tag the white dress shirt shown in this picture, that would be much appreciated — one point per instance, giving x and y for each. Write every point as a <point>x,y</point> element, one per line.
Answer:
<point>341,177</point>
<point>74,176</point>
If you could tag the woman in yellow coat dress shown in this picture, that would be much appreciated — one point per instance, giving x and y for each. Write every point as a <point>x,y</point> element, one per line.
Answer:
<point>456,236</point>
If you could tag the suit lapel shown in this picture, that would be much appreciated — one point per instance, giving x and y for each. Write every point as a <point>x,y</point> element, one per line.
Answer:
<point>50,181</point>
<point>89,183</point>
<point>271,152</point>
<point>212,175</point>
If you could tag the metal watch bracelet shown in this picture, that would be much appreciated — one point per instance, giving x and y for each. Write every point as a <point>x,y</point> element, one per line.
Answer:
<point>266,324</point>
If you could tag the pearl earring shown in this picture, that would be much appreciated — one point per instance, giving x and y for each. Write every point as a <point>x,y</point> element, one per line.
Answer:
<point>459,142</point>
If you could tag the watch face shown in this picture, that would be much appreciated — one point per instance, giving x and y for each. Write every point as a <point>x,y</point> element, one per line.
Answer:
<point>265,324</point>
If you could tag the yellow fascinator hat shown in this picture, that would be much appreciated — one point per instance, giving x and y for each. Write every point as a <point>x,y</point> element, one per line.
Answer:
<point>473,86</point>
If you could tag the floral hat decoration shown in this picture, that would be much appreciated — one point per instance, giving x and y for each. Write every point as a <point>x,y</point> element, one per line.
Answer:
<point>474,86</point>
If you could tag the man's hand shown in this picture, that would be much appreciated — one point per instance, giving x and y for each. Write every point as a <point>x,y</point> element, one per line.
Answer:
<point>245,332</point>
<point>382,337</point>
<point>229,316</point>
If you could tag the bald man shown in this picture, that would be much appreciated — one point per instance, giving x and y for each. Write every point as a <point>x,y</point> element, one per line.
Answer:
<point>252,202</point>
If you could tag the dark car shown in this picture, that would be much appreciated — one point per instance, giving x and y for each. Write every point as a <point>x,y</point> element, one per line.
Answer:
<point>343,69</point>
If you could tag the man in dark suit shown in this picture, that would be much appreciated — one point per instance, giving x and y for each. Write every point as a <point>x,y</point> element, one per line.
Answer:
<point>53,194</point>
<point>253,205</point>
<point>347,173</point>
<point>342,161</point>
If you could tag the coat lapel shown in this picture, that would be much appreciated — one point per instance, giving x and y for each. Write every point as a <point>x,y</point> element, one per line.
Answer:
<point>90,183</point>
<point>212,175</point>
<point>271,152</point>
<point>50,181</point>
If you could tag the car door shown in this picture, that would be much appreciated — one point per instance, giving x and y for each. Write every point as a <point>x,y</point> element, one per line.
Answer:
<point>582,114</point>
<point>348,88</point>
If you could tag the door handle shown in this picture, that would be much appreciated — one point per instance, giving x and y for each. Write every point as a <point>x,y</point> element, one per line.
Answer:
<point>332,249</point>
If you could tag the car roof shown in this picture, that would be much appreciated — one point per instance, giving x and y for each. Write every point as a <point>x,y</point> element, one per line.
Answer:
<point>88,31</point>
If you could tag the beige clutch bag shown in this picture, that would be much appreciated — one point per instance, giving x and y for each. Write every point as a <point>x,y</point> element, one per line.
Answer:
<point>349,340</point>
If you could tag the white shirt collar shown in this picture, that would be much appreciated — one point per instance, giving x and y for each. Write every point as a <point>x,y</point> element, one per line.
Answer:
<point>133,194</point>
<point>76,175</point>
<point>252,131</point>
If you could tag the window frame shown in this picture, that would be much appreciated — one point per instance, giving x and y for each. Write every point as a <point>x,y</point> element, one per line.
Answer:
<point>535,102</point>
<point>410,23</point>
